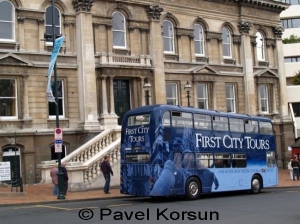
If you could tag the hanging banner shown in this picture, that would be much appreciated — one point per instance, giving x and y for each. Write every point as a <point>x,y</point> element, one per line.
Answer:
<point>57,45</point>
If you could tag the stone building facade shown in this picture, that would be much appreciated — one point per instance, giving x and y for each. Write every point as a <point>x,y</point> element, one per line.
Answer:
<point>230,52</point>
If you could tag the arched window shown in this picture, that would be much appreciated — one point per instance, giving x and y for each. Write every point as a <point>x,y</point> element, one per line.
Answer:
<point>168,36</point>
<point>226,43</point>
<point>119,30</point>
<point>260,44</point>
<point>198,39</point>
<point>7,21</point>
<point>48,23</point>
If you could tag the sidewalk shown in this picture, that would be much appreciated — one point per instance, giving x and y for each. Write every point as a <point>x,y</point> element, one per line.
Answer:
<point>42,193</point>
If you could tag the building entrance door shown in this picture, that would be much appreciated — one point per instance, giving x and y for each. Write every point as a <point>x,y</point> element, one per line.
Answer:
<point>121,98</point>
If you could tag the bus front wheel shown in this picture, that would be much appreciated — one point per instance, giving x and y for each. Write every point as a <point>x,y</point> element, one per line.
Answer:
<point>256,184</point>
<point>192,188</point>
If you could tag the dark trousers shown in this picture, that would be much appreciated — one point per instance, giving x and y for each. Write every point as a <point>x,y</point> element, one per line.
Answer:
<point>66,183</point>
<point>295,173</point>
<point>107,183</point>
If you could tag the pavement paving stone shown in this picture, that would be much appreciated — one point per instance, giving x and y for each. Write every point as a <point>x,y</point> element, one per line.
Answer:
<point>42,193</point>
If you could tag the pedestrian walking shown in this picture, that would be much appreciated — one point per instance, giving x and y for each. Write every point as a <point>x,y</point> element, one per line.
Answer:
<point>290,168</point>
<point>295,165</point>
<point>54,177</point>
<point>107,171</point>
<point>65,177</point>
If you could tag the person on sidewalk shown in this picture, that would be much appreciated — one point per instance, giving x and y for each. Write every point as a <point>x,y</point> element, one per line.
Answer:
<point>65,177</point>
<point>295,164</point>
<point>54,177</point>
<point>290,168</point>
<point>107,171</point>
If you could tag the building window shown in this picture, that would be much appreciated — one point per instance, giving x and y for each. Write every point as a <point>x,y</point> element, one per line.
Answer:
<point>168,36</point>
<point>60,96</point>
<point>57,22</point>
<point>230,98</point>
<point>7,21</point>
<point>290,23</point>
<point>291,59</point>
<point>8,98</point>
<point>264,98</point>
<point>226,42</point>
<point>202,96</point>
<point>198,40</point>
<point>296,109</point>
<point>119,30</point>
<point>260,52</point>
<point>172,98</point>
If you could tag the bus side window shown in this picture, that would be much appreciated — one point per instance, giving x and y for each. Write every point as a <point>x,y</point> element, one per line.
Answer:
<point>220,123</point>
<point>271,161</point>
<point>178,160</point>
<point>251,126</point>
<point>236,125</point>
<point>238,160</point>
<point>265,128</point>
<point>204,160</point>
<point>167,119</point>
<point>202,121</point>
<point>189,160</point>
<point>222,160</point>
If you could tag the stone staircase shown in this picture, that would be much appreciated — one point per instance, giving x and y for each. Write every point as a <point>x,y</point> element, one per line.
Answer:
<point>83,164</point>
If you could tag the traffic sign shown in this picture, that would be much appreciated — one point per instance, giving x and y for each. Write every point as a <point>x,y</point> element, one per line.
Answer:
<point>58,148</point>
<point>58,134</point>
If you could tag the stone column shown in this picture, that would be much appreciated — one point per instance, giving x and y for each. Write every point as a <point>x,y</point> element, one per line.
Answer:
<point>247,63</point>
<point>109,38</point>
<point>22,33</point>
<point>192,45</point>
<point>104,97</point>
<point>143,100</point>
<point>157,54</point>
<point>111,93</point>
<point>281,72</point>
<point>25,99</point>
<point>41,27</point>
<point>179,46</point>
<point>96,33</point>
<point>67,37</point>
<point>86,65</point>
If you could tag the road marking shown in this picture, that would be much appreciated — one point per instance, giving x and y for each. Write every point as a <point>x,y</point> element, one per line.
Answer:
<point>291,191</point>
<point>45,206</point>
<point>117,205</point>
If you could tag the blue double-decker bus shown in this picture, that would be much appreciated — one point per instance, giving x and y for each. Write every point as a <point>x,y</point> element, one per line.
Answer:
<point>171,150</point>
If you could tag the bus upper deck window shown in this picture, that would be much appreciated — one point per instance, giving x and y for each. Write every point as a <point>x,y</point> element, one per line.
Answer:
<point>265,128</point>
<point>236,125</point>
<point>251,126</point>
<point>202,121</point>
<point>166,119</point>
<point>220,123</point>
<point>139,120</point>
<point>182,119</point>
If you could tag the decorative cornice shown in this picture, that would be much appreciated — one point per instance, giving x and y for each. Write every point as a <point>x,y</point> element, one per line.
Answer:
<point>154,12</point>
<point>41,21</point>
<point>21,19</point>
<point>244,27</point>
<point>144,30</point>
<point>278,31</point>
<point>82,5</point>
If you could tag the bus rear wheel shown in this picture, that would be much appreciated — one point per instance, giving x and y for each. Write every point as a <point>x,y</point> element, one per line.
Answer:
<point>256,184</point>
<point>192,188</point>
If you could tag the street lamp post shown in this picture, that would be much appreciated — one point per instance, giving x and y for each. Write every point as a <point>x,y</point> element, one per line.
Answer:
<point>188,88</point>
<point>60,194</point>
<point>147,88</point>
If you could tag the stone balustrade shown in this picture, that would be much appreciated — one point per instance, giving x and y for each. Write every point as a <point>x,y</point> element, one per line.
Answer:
<point>83,164</point>
<point>112,59</point>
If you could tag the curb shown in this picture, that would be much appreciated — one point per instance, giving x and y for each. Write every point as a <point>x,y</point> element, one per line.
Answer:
<point>63,201</point>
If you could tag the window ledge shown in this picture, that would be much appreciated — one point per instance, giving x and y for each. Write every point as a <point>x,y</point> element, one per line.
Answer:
<point>263,63</point>
<point>230,61</point>
<point>121,51</point>
<point>201,58</point>
<point>63,122</point>
<point>9,45</point>
<point>172,57</point>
